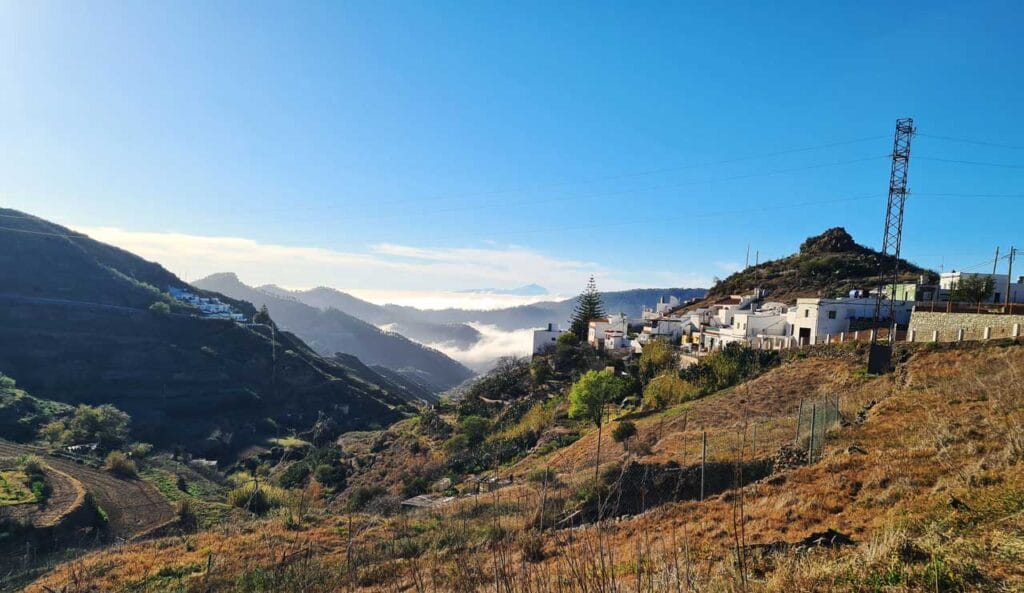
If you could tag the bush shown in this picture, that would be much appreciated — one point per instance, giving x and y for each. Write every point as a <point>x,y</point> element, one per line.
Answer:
<point>362,495</point>
<point>257,498</point>
<point>623,431</point>
<point>160,308</point>
<point>186,512</point>
<point>103,424</point>
<point>332,476</point>
<point>475,429</point>
<point>540,475</point>
<point>666,390</point>
<point>6,382</point>
<point>119,463</point>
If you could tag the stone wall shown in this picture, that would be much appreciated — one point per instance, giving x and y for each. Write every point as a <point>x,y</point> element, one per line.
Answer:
<point>923,324</point>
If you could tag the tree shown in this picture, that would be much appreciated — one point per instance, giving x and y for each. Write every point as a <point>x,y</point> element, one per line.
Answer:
<point>105,425</point>
<point>973,288</point>
<point>623,431</point>
<point>667,389</point>
<point>588,398</point>
<point>589,306</point>
<point>656,358</point>
<point>262,316</point>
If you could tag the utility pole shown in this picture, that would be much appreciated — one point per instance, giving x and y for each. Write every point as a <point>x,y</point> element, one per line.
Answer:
<point>746,262</point>
<point>880,356</point>
<point>1009,275</point>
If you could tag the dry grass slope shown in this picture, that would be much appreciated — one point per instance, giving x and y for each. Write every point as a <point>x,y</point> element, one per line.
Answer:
<point>924,482</point>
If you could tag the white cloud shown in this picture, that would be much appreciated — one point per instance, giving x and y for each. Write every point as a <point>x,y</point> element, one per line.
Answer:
<point>398,270</point>
<point>493,344</point>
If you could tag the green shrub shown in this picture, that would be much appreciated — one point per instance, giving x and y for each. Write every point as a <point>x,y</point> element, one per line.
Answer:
<point>540,475</point>
<point>257,498</point>
<point>160,308</point>
<point>362,495</point>
<point>119,463</point>
<point>666,390</point>
<point>623,431</point>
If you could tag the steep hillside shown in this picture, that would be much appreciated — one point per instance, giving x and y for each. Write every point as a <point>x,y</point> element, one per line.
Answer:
<point>76,326</point>
<point>828,265</point>
<point>328,331</point>
<point>916,486</point>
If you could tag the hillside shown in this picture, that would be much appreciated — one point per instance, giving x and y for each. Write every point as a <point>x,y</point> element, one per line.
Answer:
<point>76,327</point>
<point>828,265</point>
<point>915,485</point>
<point>458,335</point>
<point>330,330</point>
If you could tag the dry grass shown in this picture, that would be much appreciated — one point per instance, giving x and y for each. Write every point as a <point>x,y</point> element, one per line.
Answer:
<point>929,487</point>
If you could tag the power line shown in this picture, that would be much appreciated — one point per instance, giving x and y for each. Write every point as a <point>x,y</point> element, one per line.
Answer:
<point>963,162</point>
<point>968,141</point>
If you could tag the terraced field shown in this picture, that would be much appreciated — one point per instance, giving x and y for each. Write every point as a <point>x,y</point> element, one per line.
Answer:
<point>133,507</point>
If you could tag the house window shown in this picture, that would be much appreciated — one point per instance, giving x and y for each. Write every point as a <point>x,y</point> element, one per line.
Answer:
<point>831,314</point>
<point>807,312</point>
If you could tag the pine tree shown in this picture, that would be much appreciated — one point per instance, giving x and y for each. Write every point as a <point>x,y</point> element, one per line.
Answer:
<point>588,307</point>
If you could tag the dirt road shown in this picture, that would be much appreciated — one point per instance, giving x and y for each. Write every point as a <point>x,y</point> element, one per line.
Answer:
<point>132,506</point>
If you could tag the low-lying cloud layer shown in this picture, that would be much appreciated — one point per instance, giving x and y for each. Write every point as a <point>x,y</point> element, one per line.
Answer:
<point>493,344</point>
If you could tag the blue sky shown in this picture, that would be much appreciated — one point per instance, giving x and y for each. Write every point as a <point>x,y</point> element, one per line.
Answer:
<point>411,146</point>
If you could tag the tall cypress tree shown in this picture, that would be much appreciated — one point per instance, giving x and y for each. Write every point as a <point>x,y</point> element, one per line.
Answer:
<point>588,307</point>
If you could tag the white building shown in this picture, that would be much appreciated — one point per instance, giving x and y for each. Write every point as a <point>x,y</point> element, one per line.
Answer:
<point>948,280</point>
<point>663,307</point>
<point>811,320</point>
<point>596,328</point>
<point>545,339</point>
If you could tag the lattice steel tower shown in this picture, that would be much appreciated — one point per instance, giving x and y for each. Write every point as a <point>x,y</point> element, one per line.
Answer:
<point>889,264</point>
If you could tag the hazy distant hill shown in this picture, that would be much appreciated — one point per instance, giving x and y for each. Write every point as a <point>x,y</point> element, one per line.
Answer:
<point>75,326</point>
<point>630,302</point>
<point>452,322</point>
<point>827,265</point>
<point>330,330</point>
<point>459,335</point>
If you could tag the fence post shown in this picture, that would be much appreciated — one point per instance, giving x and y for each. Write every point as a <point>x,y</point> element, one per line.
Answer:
<point>810,440</point>
<point>987,333</point>
<point>828,339</point>
<point>799,417</point>
<point>1016,330</point>
<point>856,336</point>
<point>842,337</point>
<point>872,334</point>
<point>703,460</point>
<point>960,335</point>
<point>935,335</point>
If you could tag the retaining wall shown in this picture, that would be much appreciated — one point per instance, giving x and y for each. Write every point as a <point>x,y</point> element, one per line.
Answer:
<point>963,326</point>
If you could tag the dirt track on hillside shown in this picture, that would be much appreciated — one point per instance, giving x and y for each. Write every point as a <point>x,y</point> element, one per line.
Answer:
<point>133,507</point>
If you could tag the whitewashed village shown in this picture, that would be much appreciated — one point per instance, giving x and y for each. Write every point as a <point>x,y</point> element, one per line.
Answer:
<point>923,311</point>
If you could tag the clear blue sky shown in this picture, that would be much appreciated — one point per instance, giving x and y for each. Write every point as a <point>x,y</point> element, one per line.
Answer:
<point>570,130</point>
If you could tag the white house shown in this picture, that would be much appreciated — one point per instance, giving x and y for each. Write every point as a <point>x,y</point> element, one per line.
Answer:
<point>596,328</point>
<point>948,279</point>
<point>544,339</point>
<point>663,307</point>
<point>813,319</point>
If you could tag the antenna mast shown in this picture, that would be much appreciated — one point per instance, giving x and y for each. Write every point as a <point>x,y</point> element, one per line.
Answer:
<point>889,264</point>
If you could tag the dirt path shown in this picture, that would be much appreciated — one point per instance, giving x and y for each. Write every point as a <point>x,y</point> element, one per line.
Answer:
<point>132,506</point>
